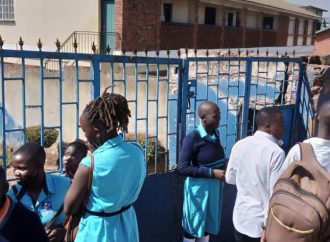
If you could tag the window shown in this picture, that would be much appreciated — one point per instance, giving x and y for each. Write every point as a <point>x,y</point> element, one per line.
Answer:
<point>210,14</point>
<point>238,20</point>
<point>268,23</point>
<point>167,11</point>
<point>6,9</point>
<point>233,19</point>
<point>230,19</point>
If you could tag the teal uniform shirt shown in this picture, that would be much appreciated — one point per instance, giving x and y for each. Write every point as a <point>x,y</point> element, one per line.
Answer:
<point>203,197</point>
<point>118,175</point>
<point>49,200</point>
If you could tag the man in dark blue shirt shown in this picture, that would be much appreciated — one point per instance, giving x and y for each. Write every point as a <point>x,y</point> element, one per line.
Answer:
<point>202,161</point>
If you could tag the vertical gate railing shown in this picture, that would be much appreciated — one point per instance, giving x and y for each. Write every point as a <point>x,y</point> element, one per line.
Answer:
<point>163,95</point>
<point>150,85</point>
<point>241,86</point>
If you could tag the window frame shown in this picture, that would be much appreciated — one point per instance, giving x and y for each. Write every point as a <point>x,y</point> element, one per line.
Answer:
<point>209,19</point>
<point>7,11</point>
<point>265,24</point>
<point>168,18</point>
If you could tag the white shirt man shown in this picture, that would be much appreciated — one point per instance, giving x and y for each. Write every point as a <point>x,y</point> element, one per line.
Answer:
<point>254,166</point>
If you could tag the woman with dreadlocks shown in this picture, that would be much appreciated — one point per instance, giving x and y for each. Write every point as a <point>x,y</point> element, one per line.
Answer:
<point>118,174</point>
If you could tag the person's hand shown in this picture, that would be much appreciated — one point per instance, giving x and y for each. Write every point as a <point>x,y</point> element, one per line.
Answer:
<point>219,174</point>
<point>56,234</point>
<point>263,236</point>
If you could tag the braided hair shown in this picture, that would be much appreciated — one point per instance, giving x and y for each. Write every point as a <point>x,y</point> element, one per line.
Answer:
<point>111,110</point>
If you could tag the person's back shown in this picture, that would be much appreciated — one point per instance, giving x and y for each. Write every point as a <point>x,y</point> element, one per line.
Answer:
<point>254,167</point>
<point>120,164</point>
<point>320,143</point>
<point>308,184</point>
<point>22,225</point>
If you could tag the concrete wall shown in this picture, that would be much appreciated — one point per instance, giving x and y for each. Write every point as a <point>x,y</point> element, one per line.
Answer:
<point>49,20</point>
<point>14,100</point>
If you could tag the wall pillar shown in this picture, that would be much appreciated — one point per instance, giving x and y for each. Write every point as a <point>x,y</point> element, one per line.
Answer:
<point>195,18</point>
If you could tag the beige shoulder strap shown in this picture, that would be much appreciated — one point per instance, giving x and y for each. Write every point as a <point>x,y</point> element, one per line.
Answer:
<point>307,152</point>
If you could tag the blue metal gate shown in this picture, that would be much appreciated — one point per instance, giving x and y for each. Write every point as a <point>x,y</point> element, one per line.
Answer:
<point>163,94</point>
<point>241,86</point>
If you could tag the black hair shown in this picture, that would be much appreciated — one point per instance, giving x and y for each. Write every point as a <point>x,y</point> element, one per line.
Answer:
<point>266,115</point>
<point>32,151</point>
<point>111,110</point>
<point>80,147</point>
<point>203,111</point>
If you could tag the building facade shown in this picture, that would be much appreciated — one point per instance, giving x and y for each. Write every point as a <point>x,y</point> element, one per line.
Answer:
<point>158,24</point>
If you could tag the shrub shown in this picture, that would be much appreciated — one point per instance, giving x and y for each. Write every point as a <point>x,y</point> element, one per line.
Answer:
<point>33,135</point>
<point>161,159</point>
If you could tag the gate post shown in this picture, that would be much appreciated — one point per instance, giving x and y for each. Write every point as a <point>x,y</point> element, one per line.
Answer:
<point>246,105</point>
<point>297,104</point>
<point>96,77</point>
<point>183,102</point>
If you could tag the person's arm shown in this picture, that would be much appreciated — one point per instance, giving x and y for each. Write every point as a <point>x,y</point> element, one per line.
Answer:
<point>231,168</point>
<point>276,170</point>
<point>77,191</point>
<point>186,155</point>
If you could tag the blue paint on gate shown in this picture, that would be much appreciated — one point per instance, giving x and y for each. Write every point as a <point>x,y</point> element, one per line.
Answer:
<point>237,88</point>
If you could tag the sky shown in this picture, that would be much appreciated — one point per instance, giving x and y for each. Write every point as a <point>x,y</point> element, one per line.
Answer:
<point>324,4</point>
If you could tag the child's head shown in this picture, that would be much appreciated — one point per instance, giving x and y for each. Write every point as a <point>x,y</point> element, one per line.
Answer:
<point>28,162</point>
<point>270,120</point>
<point>104,116</point>
<point>209,114</point>
<point>73,154</point>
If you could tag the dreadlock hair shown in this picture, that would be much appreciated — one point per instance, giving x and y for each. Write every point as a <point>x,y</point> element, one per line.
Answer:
<point>109,109</point>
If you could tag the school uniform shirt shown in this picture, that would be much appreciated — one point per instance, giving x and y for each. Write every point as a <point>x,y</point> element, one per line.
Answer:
<point>49,200</point>
<point>19,224</point>
<point>202,204</point>
<point>198,151</point>
<point>254,167</point>
<point>321,149</point>
<point>118,175</point>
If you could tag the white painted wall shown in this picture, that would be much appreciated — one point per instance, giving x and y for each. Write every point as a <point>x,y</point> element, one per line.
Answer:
<point>251,20</point>
<point>180,10</point>
<point>49,20</point>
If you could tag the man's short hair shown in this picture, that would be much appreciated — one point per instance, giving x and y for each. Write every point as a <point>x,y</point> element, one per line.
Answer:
<point>32,151</point>
<point>266,115</point>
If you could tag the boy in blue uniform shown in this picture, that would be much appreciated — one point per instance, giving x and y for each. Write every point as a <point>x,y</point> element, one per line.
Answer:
<point>38,191</point>
<point>16,222</point>
<point>202,161</point>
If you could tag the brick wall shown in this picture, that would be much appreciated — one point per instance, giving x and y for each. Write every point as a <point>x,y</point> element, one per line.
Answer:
<point>322,43</point>
<point>209,37</point>
<point>252,37</point>
<point>233,37</point>
<point>175,36</point>
<point>282,30</point>
<point>269,38</point>
<point>138,23</point>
